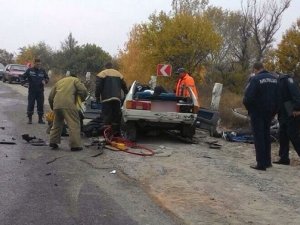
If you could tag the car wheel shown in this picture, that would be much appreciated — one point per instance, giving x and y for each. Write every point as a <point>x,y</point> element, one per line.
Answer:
<point>3,79</point>
<point>129,130</point>
<point>188,131</point>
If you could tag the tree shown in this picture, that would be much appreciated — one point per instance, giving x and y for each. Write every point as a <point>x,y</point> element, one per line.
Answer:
<point>6,57</point>
<point>265,18</point>
<point>79,59</point>
<point>288,52</point>
<point>69,44</point>
<point>66,57</point>
<point>41,50</point>
<point>90,58</point>
<point>182,40</point>
<point>193,7</point>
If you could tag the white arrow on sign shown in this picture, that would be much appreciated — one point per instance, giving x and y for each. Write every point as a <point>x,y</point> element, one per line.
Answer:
<point>162,70</point>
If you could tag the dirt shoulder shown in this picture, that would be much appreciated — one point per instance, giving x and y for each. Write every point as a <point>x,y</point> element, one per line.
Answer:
<point>199,185</point>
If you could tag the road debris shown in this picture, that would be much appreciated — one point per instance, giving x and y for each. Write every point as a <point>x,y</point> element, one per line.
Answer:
<point>5,142</point>
<point>53,160</point>
<point>113,171</point>
<point>33,140</point>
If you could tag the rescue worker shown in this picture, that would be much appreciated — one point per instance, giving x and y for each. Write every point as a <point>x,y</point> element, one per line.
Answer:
<point>36,78</point>
<point>185,80</point>
<point>261,101</point>
<point>109,84</point>
<point>289,119</point>
<point>62,100</point>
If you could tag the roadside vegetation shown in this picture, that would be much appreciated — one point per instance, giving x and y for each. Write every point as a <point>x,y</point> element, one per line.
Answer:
<point>212,43</point>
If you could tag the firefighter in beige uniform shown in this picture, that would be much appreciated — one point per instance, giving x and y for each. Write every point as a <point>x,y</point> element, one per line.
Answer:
<point>62,100</point>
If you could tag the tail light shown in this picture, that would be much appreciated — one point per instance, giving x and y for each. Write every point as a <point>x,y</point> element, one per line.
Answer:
<point>139,105</point>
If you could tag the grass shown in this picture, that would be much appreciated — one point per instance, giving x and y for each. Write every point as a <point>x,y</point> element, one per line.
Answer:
<point>228,101</point>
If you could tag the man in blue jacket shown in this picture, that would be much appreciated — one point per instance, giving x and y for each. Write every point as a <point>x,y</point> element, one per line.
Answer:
<point>36,78</point>
<point>289,118</point>
<point>261,101</point>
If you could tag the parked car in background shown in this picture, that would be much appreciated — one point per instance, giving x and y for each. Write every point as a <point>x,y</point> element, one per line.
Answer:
<point>1,70</point>
<point>13,73</point>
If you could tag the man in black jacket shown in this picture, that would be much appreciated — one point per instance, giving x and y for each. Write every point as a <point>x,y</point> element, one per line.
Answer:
<point>109,84</point>
<point>261,101</point>
<point>37,78</point>
<point>289,120</point>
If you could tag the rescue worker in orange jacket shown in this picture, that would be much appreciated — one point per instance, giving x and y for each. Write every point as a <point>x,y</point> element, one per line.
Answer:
<point>185,80</point>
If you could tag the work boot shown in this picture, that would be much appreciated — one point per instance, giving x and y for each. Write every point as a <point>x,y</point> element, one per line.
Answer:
<point>283,162</point>
<point>76,149</point>
<point>257,167</point>
<point>29,119</point>
<point>41,121</point>
<point>53,146</point>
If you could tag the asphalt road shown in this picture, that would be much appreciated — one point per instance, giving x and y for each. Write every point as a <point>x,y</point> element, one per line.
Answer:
<point>41,186</point>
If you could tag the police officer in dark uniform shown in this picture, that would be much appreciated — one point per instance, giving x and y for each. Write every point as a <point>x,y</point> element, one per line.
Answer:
<point>289,105</point>
<point>37,78</point>
<point>261,101</point>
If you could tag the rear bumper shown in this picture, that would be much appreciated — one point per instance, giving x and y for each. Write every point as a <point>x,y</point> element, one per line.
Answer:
<point>158,117</point>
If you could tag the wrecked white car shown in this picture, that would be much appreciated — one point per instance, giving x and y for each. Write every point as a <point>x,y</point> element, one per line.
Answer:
<point>144,111</point>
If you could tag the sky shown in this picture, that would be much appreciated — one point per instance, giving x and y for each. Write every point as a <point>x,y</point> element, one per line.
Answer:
<point>106,23</point>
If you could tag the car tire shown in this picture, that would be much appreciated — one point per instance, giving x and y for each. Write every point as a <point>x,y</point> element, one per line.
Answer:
<point>129,130</point>
<point>3,79</point>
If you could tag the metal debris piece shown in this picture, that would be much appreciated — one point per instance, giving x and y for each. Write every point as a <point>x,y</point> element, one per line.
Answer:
<point>4,142</point>
<point>53,160</point>
<point>100,153</point>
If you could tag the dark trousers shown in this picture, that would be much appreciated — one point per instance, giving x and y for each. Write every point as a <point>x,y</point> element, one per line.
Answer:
<point>111,112</point>
<point>289,131</point>
<point>38,97</point>
<point>261,130</point>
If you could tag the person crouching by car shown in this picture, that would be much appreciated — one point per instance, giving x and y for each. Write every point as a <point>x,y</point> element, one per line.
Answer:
<point>109,84</point>
<point>62,101</point>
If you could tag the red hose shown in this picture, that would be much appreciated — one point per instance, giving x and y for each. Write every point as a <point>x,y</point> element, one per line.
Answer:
<point>109,138</point>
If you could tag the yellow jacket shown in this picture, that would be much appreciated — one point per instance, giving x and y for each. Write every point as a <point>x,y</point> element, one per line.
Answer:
<point>65,93</point>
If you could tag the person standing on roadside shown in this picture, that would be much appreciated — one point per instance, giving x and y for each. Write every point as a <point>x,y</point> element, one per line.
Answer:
<point>62,100</point>
<point>261,101</point>
<point>109,84</point>
<point>36,78</point>
<point>184,81</point>
<point>288,117</point>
